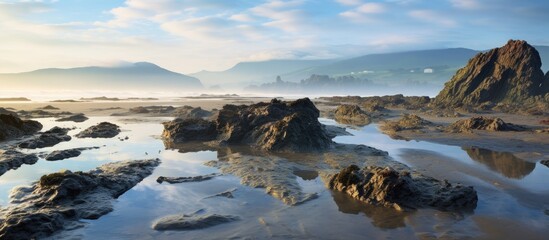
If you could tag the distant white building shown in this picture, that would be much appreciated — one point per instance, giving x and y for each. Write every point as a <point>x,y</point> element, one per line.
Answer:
<point>428,70</point>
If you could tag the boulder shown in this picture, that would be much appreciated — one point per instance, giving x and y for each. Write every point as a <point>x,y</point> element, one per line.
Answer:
<point>198,178</point>
<point>12,127</point>
<point>47,139</point>
<point>385,186</point>
<point>67,153</point>
<point>510,74</point>
<point>74,118</point>
<point>101,130</point>
<point>407,122</point>
<point>183,222</point>
<point>482,123</point>
<point>351,114</point>
<point>59,200</point>
<point>185,130</point>
<point>12,159</point>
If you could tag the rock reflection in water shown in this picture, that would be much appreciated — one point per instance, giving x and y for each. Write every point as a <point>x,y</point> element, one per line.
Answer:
<point>306,175</point>
<point>384,218</point>
<point>502,162</point>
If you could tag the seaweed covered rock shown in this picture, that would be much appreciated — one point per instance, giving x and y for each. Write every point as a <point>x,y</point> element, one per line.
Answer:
<point>351,114</point>
<point>482,123</point>
<point>402,190</point>
<point>47,139</point>
<point>510,74</point>
<point>185,130</point>
<point>12,126</point>
<point>101,130</point>
<point>12,159</point>
<point>273,126</point>
<point>60,199</point>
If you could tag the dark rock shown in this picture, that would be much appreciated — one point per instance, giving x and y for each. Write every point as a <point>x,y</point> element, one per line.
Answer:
<point>12,127</point>
<point>226,194</point>
<point>402,190</point>
<point>185,130</point>
<point>351,114</point>
<point>510,74</point>
<point>191,222</point>
<point>41,114</point>
<point>101,130</point>
<point>67,153</point>
<point>49,107</point>
<point>11,159</point>
<point>47,139</point>
<point>545,162</point>
<point>173,180</point>
<point>74,118</point>
<point>60,200</point>
<point>482,123</point>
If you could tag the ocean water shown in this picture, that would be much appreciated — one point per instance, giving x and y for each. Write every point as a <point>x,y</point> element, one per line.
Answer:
<point>513,193</point>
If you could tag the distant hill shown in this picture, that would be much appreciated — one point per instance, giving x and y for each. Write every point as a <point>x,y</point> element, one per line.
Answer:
<point>257,72</point>
<point>136,76</point>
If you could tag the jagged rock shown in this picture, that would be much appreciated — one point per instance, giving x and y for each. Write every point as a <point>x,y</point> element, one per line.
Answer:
<point>191,222</point>
<point>351,114</point>
<point>402,190</point>
<point>185,130</point>
<point>47,139</point>
<point>545,162</point>
<point>407,122</point>
<point>11,159</point>
<point>173,180</point>
<point>74,118</point>
<point>67,153</point>
<point>12,127</point>
<point>101,130</point>
<point>60,199</point>
<point>510,74</point>
<point>482,123</point>
<point>274,126</point>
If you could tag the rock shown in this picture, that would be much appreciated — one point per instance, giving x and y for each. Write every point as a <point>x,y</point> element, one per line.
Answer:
<point>334,131</point>
<point>545,162</point>
<point>12,127</point>
<point>482,123</point>
<point>510,74</point>
<point>101,130</point>
<point>191,222</point>
<point>67,153</point>
<point>226,194</point>
<point>11,159</point>
<point>59,200</point>
<point>402,190</point>
<point>49,107</point>
<point>74,118</point>
<point>407,122</point>
<point>351,114</point>
<point>41,114</point>
<point>544,121</point>
<point>274,126</point>
<point>185,130</point>
<point>173,180</point>
<point>380,103</point>
<point>47,139</point>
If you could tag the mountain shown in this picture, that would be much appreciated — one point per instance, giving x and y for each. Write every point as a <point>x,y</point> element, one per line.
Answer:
<point>509,74</point>
<point>136,76</point>
<point>256,72</point>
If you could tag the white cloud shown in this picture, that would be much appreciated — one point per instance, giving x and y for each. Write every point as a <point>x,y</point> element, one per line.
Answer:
<point>432,17</point>
<point>371,8</point>
<point>466,4</point>
<point>349,2</point>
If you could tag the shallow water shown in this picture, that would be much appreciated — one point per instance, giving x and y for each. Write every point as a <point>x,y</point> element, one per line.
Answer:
<point>512,193</point>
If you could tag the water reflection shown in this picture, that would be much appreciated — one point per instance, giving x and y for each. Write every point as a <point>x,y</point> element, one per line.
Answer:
<point>306,175</point>
<point>504,163</point>
<point>384,218</point>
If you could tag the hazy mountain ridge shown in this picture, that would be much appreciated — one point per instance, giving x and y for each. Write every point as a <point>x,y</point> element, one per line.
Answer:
<point>136,76</point>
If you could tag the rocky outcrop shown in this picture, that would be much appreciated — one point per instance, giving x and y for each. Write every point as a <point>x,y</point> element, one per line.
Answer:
<point>59,200</point>
<point>74,118</point>
<point>545,162</point>
<point>47,139</point>
<point>407,122</point>
<point>12,127</point>
<point>482,123</point>
<point>351,114</point>
<point>11,159</point>
<point>67,153</point>
<point>186,130</point>
<point>510,74</point>
<point>380,103</point>
<point>49,107</point>
<point>199,178</point>
<point>184,222</point>
<point>101,130</point>
<point>403,190</point>
<point>274,126</point>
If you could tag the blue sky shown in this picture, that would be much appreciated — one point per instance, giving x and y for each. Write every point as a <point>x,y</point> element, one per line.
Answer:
<point>191,35</point>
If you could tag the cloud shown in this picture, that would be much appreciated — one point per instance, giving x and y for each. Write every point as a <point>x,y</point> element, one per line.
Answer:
<point>432,17</point>
<point>371,8</point>
<point>364,12</point>
<point>349,2</point>
<point>466,4</point>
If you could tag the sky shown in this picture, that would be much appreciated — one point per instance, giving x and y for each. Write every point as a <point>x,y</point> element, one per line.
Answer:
<point>192,35</point>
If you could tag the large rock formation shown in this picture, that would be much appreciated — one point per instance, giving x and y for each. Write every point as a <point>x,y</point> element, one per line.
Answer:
<point>274,126</point>
<point>402,190</point>
<point>351,114</point>
<point>482,123</point>
<point>12,159</point>
<point>510,74</point>
<point>60,200</point>
<point>101,130</point>
<point>12,126</point>
<point>47,139</point>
